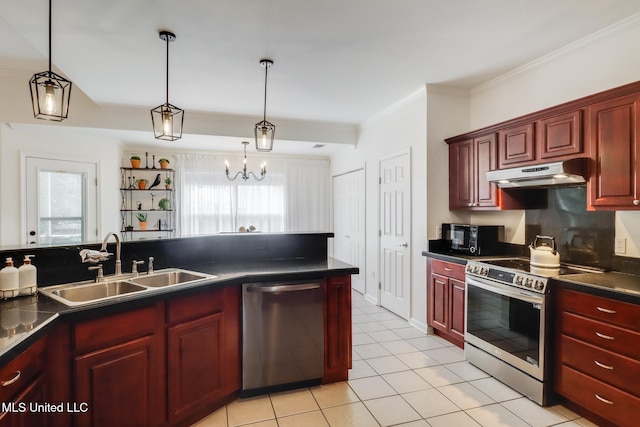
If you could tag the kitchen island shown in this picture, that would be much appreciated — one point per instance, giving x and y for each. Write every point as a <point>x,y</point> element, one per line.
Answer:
<point>176,352</point>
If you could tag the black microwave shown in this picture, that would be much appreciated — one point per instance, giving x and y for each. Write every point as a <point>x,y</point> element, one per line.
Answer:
<point>473,239</point>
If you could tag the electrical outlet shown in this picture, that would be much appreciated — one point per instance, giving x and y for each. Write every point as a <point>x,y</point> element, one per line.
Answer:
<point>621,245</point>
<point>438,231</point>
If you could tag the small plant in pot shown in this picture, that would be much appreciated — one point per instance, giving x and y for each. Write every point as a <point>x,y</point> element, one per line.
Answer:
<point>164,204</point>
<point>164,163</point>
<point>135,161</point>
<point>168,183</point>
<point>142,217</point>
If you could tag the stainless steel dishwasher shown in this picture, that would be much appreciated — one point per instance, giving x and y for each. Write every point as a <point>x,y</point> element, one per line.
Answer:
<point>283,336</point>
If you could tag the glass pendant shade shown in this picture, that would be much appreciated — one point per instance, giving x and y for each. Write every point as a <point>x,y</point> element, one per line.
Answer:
<point>167,122</point>
<point>50,96</point>
<point>264,133</point>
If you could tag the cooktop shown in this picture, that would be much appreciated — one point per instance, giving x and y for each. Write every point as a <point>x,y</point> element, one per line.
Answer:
<point>522,264</point>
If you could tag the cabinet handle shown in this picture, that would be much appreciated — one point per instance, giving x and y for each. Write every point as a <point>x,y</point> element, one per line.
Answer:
<point>602,399</point>
<point>606,337</point>
<point>448,269</point>
<point>12,380</point>
<point>603,366</point>
<point>606,310</point>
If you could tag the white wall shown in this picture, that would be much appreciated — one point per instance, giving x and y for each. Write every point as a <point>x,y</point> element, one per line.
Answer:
<point>399,127</point>
<point>58,142</point>
<point>596,63</point>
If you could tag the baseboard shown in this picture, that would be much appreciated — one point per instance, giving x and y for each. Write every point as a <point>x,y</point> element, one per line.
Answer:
<point>422,327</point>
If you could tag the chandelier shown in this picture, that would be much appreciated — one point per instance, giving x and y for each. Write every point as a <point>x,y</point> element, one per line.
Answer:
<point>167,119</point>
<point>50,93</point>
<point>243,173</point>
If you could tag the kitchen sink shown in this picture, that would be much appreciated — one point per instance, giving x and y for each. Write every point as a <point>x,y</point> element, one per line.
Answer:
<point>170,277</point>
<point>84,293</point>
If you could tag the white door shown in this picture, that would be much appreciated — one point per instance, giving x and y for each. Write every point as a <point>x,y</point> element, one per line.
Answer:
<point>60,202</point>
<point>348,223</point>
<point>395,232</point>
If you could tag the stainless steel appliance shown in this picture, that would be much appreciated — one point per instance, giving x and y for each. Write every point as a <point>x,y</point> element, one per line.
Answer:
<point>473,239</point>
<point>568,172</point>
<point>507,319</point>
<point>283,336</point>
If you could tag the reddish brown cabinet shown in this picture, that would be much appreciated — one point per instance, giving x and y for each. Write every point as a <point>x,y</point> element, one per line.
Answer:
<point>613,131</point>
<point>516,146</point>
<point>597,363</point>
<point>203,351</point>
<point>23,384</point>
<point>559,137</point>
<point>446,299</point>
<point>337,332</point>
<point>118,369</point>
<point>469,161</point>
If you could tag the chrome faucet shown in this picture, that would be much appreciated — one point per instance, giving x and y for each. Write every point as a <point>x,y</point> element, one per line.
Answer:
<point>104,248</point>
<point>150,266</point>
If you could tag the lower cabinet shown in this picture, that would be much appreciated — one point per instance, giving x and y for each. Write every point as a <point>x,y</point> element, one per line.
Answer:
<point>118,369</point>
<point>337,332</point>
<point>598,359</point>
<point>446,300</point>
<point>203,351</point>
<point>22,384</point>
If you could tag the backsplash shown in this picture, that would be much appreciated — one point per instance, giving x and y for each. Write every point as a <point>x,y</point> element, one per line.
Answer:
<point>583,237</point>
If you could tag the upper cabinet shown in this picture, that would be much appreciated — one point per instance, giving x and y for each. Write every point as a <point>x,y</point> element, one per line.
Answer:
<point>613,128</point>
<point>469,161</point>
<point>559,137</point>
<point>517,147</point>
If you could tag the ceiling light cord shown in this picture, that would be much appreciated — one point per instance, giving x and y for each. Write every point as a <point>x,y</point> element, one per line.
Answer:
<point>167,83</point>
<point>264,110</point>
<point>50,35</point>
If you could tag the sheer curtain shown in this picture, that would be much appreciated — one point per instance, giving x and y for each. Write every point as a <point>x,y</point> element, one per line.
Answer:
<point>294,196</point>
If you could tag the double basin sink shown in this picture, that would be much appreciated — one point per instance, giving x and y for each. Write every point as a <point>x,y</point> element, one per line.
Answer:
<point>83,293</point>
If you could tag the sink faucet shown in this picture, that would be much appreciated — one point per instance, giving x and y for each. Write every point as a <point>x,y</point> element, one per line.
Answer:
<point>104,248</point>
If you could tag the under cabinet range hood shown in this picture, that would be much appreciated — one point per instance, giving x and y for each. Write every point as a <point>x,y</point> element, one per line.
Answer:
<point>568,172</point>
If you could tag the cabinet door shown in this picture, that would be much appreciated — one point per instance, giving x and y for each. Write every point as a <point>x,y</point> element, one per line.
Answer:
<point>516,146</point>
<point>456,308</point>
<point>560,137</point>
<point>439,302</point>
<point>337,332</point>
<point>196,363</point>
<point>461,169</point>
<point>120,385</point>
<point>486,193</point>
<point>613,128</point>
<point>32,394</point>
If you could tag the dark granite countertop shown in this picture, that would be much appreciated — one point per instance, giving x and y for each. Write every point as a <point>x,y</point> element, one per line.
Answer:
<point>23,320</point>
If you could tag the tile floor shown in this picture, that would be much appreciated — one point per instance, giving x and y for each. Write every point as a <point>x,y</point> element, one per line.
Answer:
<point>400,377</point>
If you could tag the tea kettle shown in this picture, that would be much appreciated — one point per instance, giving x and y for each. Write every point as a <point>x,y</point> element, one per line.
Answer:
<point>545,258</point>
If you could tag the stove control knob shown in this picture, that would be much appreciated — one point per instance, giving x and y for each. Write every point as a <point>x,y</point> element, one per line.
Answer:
<point>519,280</point>
<point>469,268</point>
<point>476,269</point>
<point>484,271</point>
<point>528,282</point>
<point>539,285</point>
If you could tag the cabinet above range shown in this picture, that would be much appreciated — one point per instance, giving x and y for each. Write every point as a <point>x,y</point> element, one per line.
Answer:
<point>603,129</point>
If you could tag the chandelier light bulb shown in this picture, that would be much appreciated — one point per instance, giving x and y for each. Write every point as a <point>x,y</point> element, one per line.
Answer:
<point>48,104</point>
<point>167,123</point>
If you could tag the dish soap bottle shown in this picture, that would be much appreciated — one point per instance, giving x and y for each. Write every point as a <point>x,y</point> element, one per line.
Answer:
<point>28,277</point>
<point>9,282</point>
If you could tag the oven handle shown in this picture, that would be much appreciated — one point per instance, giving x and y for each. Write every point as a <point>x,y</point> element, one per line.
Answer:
<point>532,298</point>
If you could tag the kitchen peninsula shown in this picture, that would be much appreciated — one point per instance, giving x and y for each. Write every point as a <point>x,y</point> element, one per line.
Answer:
<point>176,353</point>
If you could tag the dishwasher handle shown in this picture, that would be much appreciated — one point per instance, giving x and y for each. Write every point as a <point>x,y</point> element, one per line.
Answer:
<point>282,288</point>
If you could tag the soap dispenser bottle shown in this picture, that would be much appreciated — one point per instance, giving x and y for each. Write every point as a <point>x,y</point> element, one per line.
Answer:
<point>28,277</point>
<point>9,281</point>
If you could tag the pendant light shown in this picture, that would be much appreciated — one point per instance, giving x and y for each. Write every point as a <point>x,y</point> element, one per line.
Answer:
<point>50,93</point>
<point>265,131</point>
<point>167,119</point>
<point>243,173</point>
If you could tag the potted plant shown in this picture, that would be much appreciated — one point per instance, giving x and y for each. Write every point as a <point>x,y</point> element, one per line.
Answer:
<point>164,163</point>
<point>164,204</point>
<point>135,161</point>
<point>142,217</point>
<point>168,183</point>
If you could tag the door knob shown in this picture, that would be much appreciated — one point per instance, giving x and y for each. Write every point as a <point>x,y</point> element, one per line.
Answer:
<point>404,245</point>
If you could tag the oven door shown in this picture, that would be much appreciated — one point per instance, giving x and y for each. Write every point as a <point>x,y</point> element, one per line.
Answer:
<point>507,323</point>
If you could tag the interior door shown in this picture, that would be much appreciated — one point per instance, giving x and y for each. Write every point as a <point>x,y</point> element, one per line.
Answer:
<point>60,202</point>
<point>348,223</point>
<point>395,233</point>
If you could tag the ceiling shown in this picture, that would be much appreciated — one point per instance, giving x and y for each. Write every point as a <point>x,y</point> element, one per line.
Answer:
<point>337,61</point>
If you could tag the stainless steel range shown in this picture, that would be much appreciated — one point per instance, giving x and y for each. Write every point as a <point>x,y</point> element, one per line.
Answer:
<point>506,324</point>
